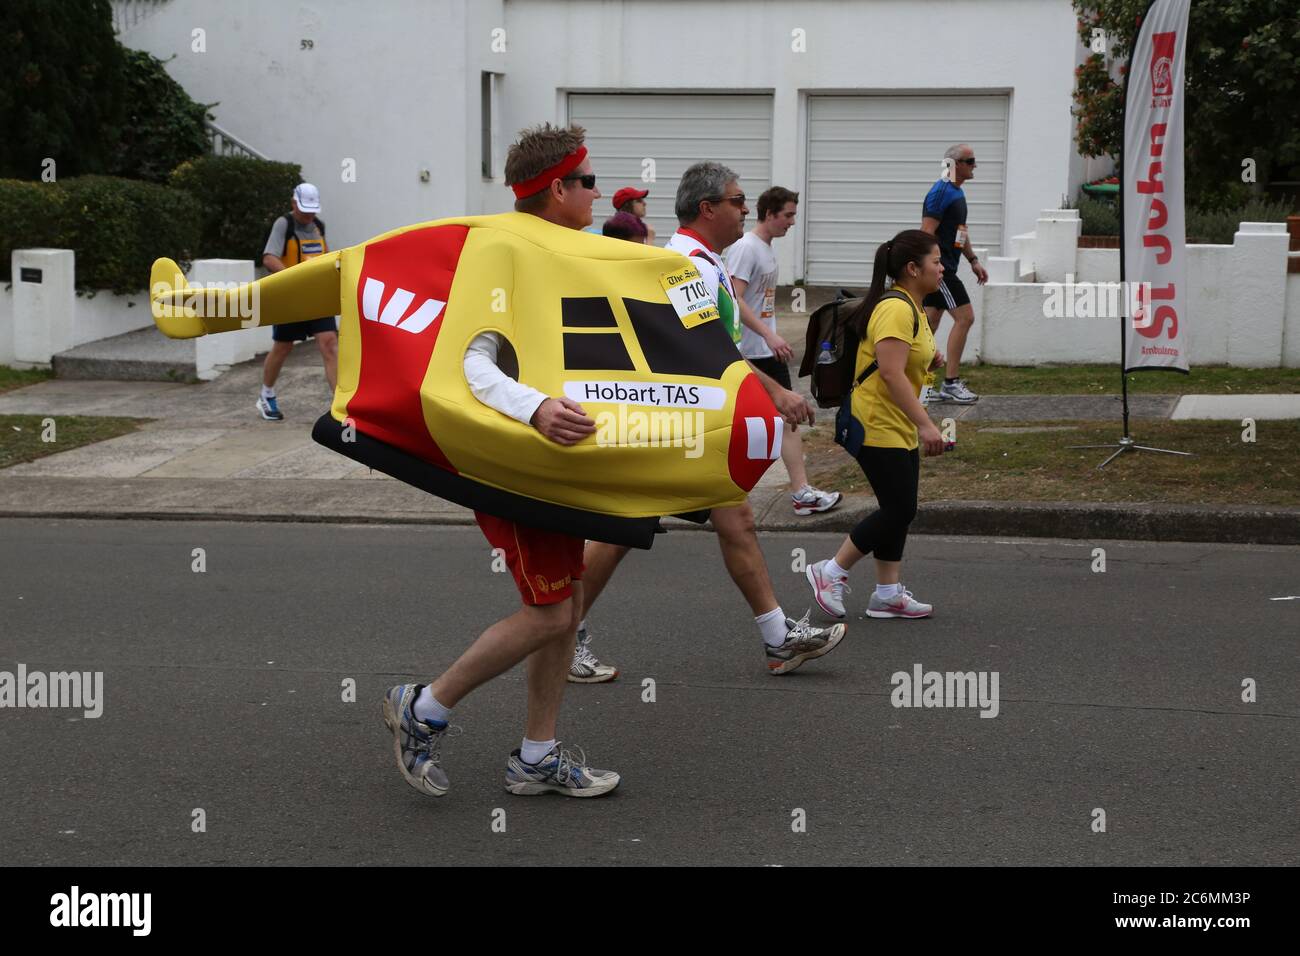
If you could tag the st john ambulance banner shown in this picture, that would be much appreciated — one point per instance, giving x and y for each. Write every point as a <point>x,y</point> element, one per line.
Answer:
<point>1154,242</point>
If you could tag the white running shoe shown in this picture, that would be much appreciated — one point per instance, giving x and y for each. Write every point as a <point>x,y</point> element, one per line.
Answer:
<point>561,771</point>
<point>803,642</point>
<point>585,669</point>
<point>958,392</point>
<point>827,592</point>
<point>901,604</point>
<point>809,500</point>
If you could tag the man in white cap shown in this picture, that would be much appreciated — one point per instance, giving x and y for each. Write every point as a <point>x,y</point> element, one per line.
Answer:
<point>296,237</point>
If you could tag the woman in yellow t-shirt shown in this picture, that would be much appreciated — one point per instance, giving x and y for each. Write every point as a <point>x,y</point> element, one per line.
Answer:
<point>897,349</point>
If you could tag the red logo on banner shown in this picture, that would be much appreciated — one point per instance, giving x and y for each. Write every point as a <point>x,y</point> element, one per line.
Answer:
<point>1162,68</point>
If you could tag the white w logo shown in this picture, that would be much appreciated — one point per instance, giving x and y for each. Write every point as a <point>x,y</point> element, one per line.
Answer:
<point>373,293</point>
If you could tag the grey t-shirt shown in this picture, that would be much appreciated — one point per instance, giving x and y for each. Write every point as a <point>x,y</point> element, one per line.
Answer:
<point>752,260</point>
<point>307,235</point>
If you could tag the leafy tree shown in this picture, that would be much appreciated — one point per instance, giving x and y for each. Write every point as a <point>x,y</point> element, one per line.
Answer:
<point>61,86</point>
<point>1243,88</point>
<point>162,126</point>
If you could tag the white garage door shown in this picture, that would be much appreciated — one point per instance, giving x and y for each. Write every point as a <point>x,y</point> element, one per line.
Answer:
<point>872,159</point>
<point>675,130</point>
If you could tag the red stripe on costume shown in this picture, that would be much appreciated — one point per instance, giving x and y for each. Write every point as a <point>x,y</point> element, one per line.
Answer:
<point>394,362</point>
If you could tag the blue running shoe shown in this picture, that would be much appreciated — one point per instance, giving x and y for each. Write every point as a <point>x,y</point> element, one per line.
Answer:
<point>270,410</point>
<point>559,771</point>
<point>416,745</point>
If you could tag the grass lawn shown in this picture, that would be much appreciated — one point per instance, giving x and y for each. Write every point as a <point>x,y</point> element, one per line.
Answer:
<point>18,377</point>
<point>20,435</point>
<point>1104,380</point>
<point>1006,462</point>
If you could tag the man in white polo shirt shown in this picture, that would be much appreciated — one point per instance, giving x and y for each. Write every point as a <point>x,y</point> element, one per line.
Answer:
<point>711,210</point>
<point>752,265</point>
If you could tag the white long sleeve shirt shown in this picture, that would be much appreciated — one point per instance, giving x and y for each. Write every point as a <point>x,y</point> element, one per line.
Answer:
<point>493,387</point>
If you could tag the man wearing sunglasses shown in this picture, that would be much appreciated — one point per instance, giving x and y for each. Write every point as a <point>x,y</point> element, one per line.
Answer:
<point>711,209</point>
<point>944,216</point>
<point>552,179</point>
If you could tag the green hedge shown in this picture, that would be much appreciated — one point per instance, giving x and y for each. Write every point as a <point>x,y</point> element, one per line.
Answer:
<point>117,227</point>
<point>1216,224</point>
<point>1100,216</point>
<point>162,126</point>
<point>31,214</point>
<point>239,200</point>
<point>62,87</point>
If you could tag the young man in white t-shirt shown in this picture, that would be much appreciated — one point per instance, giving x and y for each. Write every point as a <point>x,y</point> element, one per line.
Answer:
<point>753,268</point>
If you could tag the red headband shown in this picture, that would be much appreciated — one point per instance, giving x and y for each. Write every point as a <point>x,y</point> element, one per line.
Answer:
<point>543,179</point>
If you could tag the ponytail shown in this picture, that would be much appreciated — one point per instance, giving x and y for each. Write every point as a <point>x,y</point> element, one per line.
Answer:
<point>892,257</point>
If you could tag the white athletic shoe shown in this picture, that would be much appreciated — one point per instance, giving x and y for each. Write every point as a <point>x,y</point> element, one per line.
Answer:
<point>809,500</point>
<point>827,592</point>
<point>901,604</point>
<point>585,669</point>
<point>958,392</point>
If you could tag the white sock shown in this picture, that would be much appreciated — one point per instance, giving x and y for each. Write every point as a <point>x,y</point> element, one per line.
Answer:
<point>533,751</point>
<point>773,627</point>
<point>886,591</point>
<point>834,571</point>
<point>268,391</point>
<point>582,627</point>
<point>427,708</point>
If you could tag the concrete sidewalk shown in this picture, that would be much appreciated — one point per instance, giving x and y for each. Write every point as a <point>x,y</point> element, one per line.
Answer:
<point>206,453</point>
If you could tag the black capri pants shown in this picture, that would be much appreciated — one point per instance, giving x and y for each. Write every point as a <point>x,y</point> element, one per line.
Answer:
<point>894,474</point>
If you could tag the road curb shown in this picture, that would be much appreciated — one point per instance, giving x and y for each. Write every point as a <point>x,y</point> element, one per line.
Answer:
<point>1085,521</point>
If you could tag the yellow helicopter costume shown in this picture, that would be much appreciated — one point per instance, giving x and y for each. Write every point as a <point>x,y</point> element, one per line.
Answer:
<point>625,329</point>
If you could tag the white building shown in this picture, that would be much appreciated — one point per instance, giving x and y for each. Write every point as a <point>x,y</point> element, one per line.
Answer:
<point>851,103</point>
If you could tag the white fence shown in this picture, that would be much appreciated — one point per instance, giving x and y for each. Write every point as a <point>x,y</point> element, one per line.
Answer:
<point>41,313</point>
<point>1243,308</point>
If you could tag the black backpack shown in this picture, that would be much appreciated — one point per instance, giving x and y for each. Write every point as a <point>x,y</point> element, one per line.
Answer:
<point>288,233</point>
<point>832,383</point>
<point>837,377</point>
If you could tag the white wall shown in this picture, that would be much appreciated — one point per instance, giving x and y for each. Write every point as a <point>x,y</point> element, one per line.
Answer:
<point>395,84</point>
<point>1291,334</point>
<point>1242,308</point>
<point>881,45</point>
<point>104,315</point>
<point>385,84</point>
<point>7,324</point>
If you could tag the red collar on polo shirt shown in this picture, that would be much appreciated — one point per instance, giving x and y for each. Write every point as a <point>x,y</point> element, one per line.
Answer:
<point>543,179</point>
<point>688,231</point>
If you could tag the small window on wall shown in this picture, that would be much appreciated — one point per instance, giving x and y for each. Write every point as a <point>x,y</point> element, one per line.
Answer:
<point>489,90</point>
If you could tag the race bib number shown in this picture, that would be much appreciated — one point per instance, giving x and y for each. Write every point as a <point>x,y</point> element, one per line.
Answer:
<point>689,296</point>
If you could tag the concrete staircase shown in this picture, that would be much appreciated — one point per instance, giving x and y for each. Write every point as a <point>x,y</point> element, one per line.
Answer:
<point>145,355</point>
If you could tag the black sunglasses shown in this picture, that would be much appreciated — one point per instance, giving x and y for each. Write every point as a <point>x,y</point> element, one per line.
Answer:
<point>736,200</point>
<point>968,162</point>
<point>588,181</point>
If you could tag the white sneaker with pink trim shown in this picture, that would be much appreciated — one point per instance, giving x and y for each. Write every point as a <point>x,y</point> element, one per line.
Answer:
<point>901,604</point>
<point>828,592</point>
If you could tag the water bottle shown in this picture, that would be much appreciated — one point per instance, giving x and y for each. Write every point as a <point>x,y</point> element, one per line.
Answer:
<point>826,357</point>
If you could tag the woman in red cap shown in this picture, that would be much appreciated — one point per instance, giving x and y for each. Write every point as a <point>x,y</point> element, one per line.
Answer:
<point>632,201</point>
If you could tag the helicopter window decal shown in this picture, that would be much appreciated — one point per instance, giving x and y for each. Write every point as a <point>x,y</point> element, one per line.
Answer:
<point>672,349</point>
<point>589,312</point>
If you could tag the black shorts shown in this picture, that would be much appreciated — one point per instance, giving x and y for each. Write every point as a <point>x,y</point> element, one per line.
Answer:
<point>951,295</point>
<point>299,331</point>
<point>774,367</point>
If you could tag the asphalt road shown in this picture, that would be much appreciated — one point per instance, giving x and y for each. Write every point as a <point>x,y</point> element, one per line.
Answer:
<point>222,691</point>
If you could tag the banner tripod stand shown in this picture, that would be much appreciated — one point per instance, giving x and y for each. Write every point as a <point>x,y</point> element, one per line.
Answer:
<point>1127,442</point>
